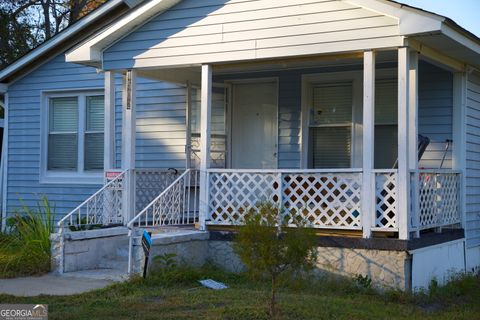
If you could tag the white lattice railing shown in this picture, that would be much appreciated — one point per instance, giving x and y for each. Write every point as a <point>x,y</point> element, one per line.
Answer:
<point>103,208</point>
<point>435,198</point>
<point>321,198</point>
<point>386,214</point>
<point>177,204</point>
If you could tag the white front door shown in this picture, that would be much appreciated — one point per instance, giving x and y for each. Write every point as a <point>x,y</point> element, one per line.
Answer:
<point>254,125</point>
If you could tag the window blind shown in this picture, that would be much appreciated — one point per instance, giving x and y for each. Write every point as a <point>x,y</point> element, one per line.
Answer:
<point>331,126</point>
<point>62,137</point>
<point>386,115</point>
<point>94,144</point>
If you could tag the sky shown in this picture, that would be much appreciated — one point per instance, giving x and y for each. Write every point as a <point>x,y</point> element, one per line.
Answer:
<point>466,13</point>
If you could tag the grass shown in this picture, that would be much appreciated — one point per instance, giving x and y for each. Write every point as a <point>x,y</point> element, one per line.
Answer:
<point>177,295</point>
<point>26,249</point>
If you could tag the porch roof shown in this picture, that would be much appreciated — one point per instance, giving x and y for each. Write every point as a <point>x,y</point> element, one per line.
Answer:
<point>429,32</point>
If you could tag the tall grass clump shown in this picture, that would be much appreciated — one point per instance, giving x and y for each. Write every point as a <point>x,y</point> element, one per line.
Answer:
<point>25,250</point>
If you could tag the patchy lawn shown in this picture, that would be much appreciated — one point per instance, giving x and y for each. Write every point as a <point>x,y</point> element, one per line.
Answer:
<point>177,295</point>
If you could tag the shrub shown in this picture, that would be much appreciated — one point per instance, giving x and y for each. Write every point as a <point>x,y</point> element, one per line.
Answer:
<point>26,249</point>
<point>268,248</point>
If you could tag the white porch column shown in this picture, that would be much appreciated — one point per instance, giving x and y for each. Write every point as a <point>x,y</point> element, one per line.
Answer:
<point>368,183</point>
<point>128,140</point>
<point>403,137</point>
<point>413,136</point>
<point>459,137</point>
<point>413,112</point>
<point>205,123</point>
<point>109,124</point>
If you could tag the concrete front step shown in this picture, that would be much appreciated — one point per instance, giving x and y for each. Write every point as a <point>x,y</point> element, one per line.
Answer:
<point>117,264</point>
<point>99,274</point>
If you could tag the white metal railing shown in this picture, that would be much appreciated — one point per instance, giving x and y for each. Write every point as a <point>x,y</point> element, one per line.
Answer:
<point>177,204</point>
<point>435,198</point>
<point>104,207</point>
<point>322,198</point>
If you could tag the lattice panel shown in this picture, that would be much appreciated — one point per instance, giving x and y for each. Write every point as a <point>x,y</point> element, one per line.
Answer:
<point>386,200</point>
<point>450,199</point>
<point>149,183</point>
<point>438,199</point>
<point>232,194</point>
<point>323,200</point>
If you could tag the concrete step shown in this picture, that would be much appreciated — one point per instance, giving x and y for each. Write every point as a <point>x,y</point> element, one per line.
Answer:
<point>98,274</point>
<point>116,264</point>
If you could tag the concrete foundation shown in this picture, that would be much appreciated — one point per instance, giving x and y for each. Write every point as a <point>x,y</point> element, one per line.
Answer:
<point>92,249</point>
<point>393,267</point>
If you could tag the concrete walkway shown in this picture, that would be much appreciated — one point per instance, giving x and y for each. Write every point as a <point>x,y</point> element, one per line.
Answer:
<point>50,284</point>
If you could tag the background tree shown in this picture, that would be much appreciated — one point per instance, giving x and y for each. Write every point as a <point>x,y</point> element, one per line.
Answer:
<point>24,24</point>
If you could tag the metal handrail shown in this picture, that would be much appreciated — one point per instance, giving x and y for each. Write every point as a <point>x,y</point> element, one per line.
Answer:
<point>93,196</point>
<point>154,201</point>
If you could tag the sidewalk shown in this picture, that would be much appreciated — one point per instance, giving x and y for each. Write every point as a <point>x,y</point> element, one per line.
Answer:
<point>50,284</point>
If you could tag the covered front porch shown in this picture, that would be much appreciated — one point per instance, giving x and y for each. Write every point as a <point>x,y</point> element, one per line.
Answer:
<point>331,140</point>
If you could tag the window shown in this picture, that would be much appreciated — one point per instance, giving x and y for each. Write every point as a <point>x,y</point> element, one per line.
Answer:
<point>218,138</point>
<point>386,133</point>
<point>74,143</point>
<point>331,126</point>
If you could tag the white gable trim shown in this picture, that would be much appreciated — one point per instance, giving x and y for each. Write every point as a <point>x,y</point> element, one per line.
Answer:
<point>67,33</point>
<point>91,50</point>
<point>412,21</point>
<point>460,38</point>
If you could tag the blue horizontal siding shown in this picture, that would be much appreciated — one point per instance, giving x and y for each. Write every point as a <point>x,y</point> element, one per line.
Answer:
<point>23,162</point>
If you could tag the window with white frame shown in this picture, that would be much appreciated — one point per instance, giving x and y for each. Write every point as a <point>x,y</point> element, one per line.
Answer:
<point>74,134</point>
<point>330,128</point>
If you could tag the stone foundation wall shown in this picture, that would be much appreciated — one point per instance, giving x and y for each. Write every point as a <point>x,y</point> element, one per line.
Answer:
<point>385,268</point>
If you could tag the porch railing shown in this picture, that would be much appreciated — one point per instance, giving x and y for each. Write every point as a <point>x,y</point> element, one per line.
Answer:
<point>104,207</point>
<point>386,199</point>
<point>177,204</point>
<point>321,198</point>
<point>435,198</point>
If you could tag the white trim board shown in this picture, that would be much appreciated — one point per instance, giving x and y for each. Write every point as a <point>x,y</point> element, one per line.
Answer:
<point>50,44</point>
<point>92,49</point>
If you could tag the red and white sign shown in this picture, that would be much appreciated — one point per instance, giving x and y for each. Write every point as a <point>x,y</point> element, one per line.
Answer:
<point>110,175</point>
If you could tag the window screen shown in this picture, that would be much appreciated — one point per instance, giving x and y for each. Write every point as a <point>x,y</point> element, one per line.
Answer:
<point>386,114</point>
<point>62,134</point>
<point>94,143</point>
<point>331,126</point>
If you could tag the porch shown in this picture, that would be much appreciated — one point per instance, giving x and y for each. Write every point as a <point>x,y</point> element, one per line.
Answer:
<point>350,165</point>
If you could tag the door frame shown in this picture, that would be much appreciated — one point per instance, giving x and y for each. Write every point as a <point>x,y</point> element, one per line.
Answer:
<point>229,113</point>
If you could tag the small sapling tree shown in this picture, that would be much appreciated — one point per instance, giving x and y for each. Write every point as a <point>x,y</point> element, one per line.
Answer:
<point>268,248</point>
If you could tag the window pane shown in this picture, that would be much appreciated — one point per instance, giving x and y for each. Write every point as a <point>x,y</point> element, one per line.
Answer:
<point>63,114</point>
<point>95,113</point>
<point>331,147</point>
<point>386,102</point>
<point>94,151</point>
<point>332,104</point>
<point>62,151</point>
<point>386,142</point>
